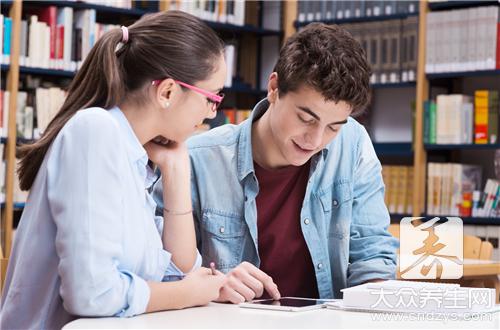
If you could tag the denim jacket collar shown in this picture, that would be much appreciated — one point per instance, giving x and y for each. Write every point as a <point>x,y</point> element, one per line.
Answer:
<point>245,155</point>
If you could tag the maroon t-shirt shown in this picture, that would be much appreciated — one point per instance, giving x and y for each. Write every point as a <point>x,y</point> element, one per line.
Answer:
<point>282,248</point>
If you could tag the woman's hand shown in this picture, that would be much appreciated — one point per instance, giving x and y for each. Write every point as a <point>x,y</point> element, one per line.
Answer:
<point>202,286</point>
<point>167,155</point>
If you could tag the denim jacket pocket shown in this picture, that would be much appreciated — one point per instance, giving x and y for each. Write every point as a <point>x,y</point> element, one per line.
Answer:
<point>223,237</point>
<point>334,204</point>
<point>338,195</point>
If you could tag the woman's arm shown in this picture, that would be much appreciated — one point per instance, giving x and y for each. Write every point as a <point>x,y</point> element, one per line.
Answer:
<point>178,236</point>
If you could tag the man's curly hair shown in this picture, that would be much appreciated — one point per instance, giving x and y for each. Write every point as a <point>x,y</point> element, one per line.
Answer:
<point>328,59</point>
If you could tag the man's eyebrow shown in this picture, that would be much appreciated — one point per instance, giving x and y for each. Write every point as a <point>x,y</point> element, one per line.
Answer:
<point>313,114</point>
<point>310,112</point>
<point>339,122</point>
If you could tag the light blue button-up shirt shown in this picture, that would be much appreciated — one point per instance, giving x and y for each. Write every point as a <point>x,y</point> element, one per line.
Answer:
<point>88,239</point>
<point>343,218</point>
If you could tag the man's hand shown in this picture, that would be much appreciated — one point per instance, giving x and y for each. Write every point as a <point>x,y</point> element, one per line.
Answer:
<point>246,282</point>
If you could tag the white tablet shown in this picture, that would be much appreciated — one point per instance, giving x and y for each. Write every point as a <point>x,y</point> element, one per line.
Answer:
<point>290,304</point>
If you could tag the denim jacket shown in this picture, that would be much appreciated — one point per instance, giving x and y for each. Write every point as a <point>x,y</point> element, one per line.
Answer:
<point>344,219</point>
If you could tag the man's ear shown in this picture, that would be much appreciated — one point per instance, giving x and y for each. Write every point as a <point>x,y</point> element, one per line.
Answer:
<point>272,87</point>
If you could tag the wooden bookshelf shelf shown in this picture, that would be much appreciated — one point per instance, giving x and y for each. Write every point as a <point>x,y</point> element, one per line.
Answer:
<point>17,206</point>
<point>395,85</point>
<point>469,220</point>
<point>379,18</point>
<point>462,74</point>
<point>447,5</point>
<point>133,12</point>
<point>462,146</point>
<point>236,88</point>
<point>41,71</point>
<point>403,149</point>
<point>396,219</point>
<point>136,13</point>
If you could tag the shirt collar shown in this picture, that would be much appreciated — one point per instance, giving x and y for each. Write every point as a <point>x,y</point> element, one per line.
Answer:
<point>136,151</point>
<point>245,155</point>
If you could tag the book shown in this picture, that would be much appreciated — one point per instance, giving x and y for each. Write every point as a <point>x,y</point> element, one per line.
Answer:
<point>396,296</point>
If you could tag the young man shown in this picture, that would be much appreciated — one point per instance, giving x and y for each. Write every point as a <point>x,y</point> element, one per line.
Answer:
<point>291,201</point>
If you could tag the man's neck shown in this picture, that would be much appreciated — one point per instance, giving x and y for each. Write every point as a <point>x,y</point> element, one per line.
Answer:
<point>265,152</point>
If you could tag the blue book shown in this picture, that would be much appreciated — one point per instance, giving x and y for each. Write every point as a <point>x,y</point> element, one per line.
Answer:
<point>7,31</point>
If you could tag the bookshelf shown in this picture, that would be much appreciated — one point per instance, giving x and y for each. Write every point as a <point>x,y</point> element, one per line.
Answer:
<point>245,90</point>
<point>418,151</point>
<point>379,18</point>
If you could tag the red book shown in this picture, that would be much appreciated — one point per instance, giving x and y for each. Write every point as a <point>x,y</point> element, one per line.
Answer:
<point>49,16</point>
<point>60,42</point>
<point>498,44</point>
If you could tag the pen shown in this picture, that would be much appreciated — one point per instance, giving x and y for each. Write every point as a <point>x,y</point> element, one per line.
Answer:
<point>212,267</point>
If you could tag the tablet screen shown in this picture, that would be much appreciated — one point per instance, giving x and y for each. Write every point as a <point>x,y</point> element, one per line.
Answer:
<point>289,302</point>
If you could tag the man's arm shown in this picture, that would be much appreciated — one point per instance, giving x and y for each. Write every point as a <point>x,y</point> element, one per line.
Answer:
<point>372,253</point>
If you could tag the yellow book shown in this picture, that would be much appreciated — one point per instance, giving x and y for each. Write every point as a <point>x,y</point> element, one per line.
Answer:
<point>402,186</point>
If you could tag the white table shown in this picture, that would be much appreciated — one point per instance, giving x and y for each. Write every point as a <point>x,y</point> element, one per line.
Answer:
<point>232,316</point>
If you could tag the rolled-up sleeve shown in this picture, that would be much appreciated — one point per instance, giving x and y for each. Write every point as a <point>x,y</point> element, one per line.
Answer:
<point>372,252</point>
<point>85,201</point>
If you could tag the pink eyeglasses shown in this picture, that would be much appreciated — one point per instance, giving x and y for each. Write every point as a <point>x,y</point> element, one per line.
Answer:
<point>214,99</point>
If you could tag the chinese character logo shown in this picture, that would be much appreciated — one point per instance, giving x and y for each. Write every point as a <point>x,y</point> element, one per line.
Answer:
<point>431,249</point>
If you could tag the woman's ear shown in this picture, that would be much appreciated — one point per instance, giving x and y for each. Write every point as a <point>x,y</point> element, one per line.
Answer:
<point>272,88</point>
<point>166,92</point>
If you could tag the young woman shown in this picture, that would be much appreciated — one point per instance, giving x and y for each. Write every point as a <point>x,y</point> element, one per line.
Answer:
<point>88,243</point>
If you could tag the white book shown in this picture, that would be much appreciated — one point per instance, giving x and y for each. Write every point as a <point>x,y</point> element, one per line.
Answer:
<point>65,18</point>
<point>457,117</point>
<point>22,98</point>
<point>446,41</point>
<point>482,30</point>
<point>33,48</point>
<point>28,122</point>
<point>491,38</point>
<point>416,297</point>
<point>455,40</point>
<point>430,188</point>
<point>439,42</point>
<point>456,192</point>
<point>23,49</point>
<point>463,41</point>
<point>467,129</point>
<point>430,38</point>
<point>229,52</point>
<point>491,194</point>
<point>441,108</point>
<point>239,12</point>
<point>5,114</point>
<point>472,39</point>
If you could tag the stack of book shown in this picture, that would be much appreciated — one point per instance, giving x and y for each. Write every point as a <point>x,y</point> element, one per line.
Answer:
<point>463,40</point>
<point>35,110</point>
<point>55,38</point>
<point>309,11</point>
<point>222,11</point>
<point>486,203</point>
<point>462,119</point>
<point>398,188</point>
<point>450,188</point>
<point>391,48</point>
